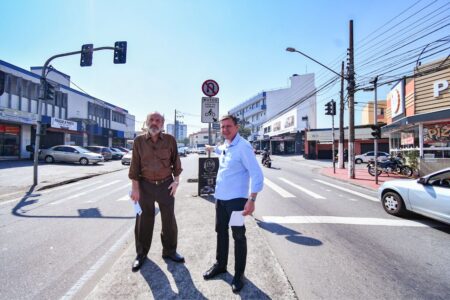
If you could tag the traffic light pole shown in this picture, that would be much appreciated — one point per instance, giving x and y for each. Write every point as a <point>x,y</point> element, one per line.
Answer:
<point>41,100</point>
<point>332,145</point>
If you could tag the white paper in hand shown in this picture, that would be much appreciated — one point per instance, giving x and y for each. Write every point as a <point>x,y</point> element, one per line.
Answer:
<point>137,208</point>
<point>237,219</point>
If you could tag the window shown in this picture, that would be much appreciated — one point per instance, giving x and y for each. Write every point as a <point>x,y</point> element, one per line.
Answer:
<point>118,117</point>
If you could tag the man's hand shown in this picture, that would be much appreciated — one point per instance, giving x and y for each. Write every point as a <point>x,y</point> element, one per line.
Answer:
<point>209,148</point>
<point>249,207</point>
<point>134,195</point>
<point>173,188</point>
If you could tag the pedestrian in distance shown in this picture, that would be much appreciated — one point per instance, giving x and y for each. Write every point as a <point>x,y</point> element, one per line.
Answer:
<point>154,172</point>
<point>239,180</point>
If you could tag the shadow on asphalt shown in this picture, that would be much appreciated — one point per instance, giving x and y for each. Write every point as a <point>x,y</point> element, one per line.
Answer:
<point>31,197</point>
<point>209,198</point>
<point>291,235</point>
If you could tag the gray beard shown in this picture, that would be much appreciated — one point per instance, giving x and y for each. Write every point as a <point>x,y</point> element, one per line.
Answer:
<point>153,131</point>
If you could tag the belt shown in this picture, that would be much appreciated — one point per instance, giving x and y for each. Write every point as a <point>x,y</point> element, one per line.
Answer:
<point>158,182</point>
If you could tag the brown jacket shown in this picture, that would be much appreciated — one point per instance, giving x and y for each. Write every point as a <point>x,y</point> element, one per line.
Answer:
<point>154,161</point>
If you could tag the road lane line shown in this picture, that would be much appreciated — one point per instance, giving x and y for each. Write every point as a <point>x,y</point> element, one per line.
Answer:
<point>92,270</point>
<point>283,193</point>
<point>110,192</point>
<point>124,198</point>
<point>348,190</point>
<point>84,193</point>
<point>342,220</point>
<point>311,193</point>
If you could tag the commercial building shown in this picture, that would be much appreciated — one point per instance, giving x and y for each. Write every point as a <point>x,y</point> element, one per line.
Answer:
<point>367,113</point>
<point>200,138</point>
<point>181,130</point>
<point>278,118</point>
<point>72,118</point>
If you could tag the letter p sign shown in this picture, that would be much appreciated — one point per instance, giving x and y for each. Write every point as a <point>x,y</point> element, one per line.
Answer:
<point>439,86</point>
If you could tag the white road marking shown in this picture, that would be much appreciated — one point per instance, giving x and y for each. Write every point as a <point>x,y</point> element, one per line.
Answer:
<point>92,270</point>
<point>85,192</point>
<point>124,198</point>
<point>311,193</point>
<point>111,192</point>
<point>348,190</point>
<point>341,220</point>
<point>283,193</point>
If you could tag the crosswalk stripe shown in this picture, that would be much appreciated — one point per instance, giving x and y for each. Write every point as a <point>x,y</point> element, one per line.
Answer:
<point>283,193</point>
<point>341,220</point>
<point>110,192</point>
<point>85,192</point>
<point>348,190</point>
<point>124,198</point>
<point>306,191</point>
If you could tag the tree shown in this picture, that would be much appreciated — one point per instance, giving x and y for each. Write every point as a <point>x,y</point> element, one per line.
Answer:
<point>244,132</point>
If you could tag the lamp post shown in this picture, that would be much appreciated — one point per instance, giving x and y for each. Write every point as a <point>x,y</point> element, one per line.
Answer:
<point>351,160</point>
<point>375,121</point>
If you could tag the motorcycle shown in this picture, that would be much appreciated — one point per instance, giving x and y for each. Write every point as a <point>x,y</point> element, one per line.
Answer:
<point>394,165</point>
<point>266,161</point>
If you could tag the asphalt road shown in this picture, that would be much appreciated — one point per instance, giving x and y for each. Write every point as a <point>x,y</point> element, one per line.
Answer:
<point>335,241</point>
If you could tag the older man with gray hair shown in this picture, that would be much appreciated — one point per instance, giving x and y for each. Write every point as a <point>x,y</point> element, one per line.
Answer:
<point>154,172</point>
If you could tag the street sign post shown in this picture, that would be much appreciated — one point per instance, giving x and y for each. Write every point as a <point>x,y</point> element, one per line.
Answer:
<point>210,109</point>
<point>210,88</point>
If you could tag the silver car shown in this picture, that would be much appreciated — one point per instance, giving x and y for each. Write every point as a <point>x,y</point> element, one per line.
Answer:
<point>428,196</point>
<point>126,159</point>
<point>74,154</point>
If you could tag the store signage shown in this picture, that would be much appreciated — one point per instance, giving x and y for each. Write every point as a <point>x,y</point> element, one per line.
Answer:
<point>436,133</point>
<point>63,124</point>
<point>407,138</point>
<point>396,97</point>
<point>439,86</point>
<point>17,116</point>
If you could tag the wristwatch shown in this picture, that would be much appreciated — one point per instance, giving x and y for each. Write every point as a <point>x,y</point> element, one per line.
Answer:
<point>252,198</point>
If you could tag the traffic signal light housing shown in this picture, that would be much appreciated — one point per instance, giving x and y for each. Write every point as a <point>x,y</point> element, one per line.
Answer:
<point>376,131</point>
<point>120,52</point>
<point>86,55</point>
<point>49,91</point>
<point>330,108</point>
<point>44,127</point>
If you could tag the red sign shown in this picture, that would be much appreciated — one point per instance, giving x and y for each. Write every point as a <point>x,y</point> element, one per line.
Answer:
<point>210,88</point>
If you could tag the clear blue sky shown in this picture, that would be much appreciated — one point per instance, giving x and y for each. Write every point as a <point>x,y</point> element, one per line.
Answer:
<point>173,46</point>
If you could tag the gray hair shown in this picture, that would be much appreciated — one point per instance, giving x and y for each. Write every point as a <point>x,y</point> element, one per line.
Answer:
<point>154,113</point>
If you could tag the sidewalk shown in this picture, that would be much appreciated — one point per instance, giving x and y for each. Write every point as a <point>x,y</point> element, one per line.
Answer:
<point>362,177</point>
<point>164,279</point>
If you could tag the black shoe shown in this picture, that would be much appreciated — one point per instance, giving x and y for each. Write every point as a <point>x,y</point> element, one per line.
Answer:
<point>214,271</point>
<point>176,257</point>
<point>138,262</point>
<point>237,284</point>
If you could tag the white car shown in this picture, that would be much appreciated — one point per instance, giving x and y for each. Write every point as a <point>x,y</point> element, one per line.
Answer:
<point>126,159</point>
<point>428,196</point>
<point>368,156</point>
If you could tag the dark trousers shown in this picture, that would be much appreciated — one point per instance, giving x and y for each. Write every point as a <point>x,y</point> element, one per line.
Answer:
<point>143,230</point>
<point>223,215</point>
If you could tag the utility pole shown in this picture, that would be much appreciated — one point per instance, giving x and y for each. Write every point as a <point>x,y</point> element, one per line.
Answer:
<point>351,104</point>
<point>375,121</point>
<point>341,122</point>
<point>175,126</point>
<point>333,105</point>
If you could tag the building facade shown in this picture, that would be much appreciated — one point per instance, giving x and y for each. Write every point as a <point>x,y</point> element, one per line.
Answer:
<point>367,116</point>
<point>201,138</point>
<point>418,116</point>
<point>181,130</point>
<point>72,118</point>
<point>278,117</point>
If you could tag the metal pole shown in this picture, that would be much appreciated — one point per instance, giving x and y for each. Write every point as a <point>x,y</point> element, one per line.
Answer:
<point>209,138</point>
<point>351,103</point>
<point>341,122</point>
<point>37,139</point>
<point>332,140</point>
<point>175,126</point>
<point>375,116</point>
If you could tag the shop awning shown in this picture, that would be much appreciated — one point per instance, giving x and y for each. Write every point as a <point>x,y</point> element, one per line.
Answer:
<point>436,116</point>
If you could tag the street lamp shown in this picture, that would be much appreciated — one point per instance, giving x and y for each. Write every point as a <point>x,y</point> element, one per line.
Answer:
<point>351,158</point>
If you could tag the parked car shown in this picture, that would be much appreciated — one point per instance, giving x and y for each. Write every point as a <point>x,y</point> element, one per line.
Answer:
<point>428,196</point>
<point>116,153</point>
<point>66,153</point>
<point>123,149</point>
<point>126,159</point>
<point>201,150</point>
<point>107,154</point>
<point>368,156</point>
<point>182,151</point>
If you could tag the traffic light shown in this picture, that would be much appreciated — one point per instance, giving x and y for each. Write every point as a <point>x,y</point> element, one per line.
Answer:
<point>330,108</point>
<point>120,52</point>
<point>44,127</point>
<point>49,91</point>
<point>86,55</point>
<point>376,131</point>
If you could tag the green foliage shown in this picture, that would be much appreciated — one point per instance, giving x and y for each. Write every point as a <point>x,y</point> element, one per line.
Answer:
<point>244,132</point>
<point>412,158</point>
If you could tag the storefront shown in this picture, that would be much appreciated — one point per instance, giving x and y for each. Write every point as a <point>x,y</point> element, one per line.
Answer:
<point>9,141</point>
<point>418,118</point>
